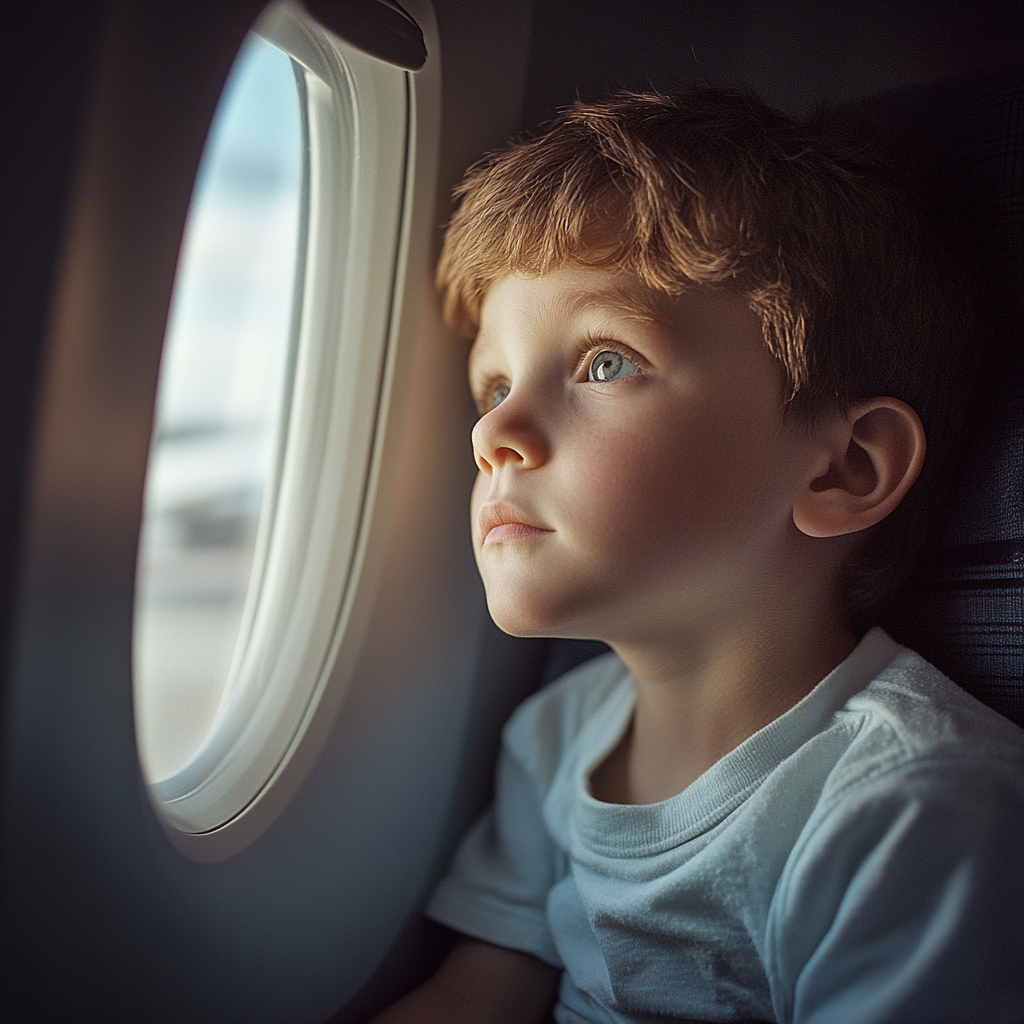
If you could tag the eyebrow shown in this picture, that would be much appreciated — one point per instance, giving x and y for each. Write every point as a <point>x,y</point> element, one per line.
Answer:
<point>614,300</point>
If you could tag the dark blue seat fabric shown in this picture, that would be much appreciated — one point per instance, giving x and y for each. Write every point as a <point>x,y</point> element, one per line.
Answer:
<point>963,609</point>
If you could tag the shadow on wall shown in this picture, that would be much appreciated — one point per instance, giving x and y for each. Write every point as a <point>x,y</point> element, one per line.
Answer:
<point>795,55</point>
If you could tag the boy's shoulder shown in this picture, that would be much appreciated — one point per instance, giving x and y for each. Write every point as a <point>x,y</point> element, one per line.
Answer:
<point>919,714</point>
<point>914,733</point>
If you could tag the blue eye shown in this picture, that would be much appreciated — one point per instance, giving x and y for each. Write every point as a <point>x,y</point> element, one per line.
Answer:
<point>498,395</point>
<point>609,365</point>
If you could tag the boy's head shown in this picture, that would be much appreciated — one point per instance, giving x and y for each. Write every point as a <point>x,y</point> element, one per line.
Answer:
<point>825,244</point>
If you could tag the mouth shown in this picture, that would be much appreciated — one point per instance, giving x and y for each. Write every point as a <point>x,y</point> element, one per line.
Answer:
<point>500,522</point>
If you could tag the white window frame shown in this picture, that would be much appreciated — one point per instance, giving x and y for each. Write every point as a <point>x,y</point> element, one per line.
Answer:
<point>312,542</point>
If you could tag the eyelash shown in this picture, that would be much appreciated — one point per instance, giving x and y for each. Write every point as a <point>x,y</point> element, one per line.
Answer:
<point>485,395</point>
<point>589,345</point>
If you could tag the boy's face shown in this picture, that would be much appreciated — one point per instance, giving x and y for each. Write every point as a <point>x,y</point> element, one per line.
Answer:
<point>635,471</point>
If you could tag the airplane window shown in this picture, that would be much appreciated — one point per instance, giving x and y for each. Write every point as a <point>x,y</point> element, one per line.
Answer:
<point>272,391</point>
<point>219,410</point>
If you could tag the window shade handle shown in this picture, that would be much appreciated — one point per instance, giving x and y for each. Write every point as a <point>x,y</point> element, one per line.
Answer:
<point>381,28</point>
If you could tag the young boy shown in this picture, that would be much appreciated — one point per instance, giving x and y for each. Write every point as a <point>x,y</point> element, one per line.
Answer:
<point>709,345</point>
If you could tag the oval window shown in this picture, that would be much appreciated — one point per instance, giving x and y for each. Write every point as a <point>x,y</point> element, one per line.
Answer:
<point>262,468</point>
<point>220,411</point>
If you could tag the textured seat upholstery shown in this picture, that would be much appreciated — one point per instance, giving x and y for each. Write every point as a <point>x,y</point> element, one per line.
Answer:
<point>964,610</point>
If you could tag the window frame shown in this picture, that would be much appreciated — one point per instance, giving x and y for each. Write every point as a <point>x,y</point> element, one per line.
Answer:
<point>311,547</point>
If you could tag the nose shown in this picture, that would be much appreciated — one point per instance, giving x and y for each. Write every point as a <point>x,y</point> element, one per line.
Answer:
<point>509,435</point>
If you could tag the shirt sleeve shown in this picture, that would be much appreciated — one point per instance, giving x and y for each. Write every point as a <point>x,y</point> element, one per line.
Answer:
<point>907,904</point>
<point>498,884</point>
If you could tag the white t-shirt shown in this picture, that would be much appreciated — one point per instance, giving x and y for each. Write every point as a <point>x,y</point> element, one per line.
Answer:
<point>859,859</point>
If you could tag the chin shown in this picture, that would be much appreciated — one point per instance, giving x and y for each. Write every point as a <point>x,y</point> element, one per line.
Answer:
<point>536,617</point>
<point>516,623</point>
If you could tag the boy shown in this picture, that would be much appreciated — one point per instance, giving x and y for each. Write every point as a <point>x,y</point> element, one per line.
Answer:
<point>709,344</point>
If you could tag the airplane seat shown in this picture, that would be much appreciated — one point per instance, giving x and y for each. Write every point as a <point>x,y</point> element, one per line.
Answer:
<point>963,608</point>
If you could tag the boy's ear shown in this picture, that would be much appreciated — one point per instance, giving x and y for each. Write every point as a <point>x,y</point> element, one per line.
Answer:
<point>866,463</point>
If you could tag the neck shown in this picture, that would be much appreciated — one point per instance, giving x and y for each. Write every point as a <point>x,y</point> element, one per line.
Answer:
<point>699,694</point>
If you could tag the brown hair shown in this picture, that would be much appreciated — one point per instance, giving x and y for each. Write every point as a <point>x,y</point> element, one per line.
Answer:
<point>857,295</point>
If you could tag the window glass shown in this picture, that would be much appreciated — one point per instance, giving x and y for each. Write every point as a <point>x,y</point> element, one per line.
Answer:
<point>220,411</point>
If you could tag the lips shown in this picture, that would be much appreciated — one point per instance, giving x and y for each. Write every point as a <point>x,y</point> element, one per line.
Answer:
<point>503,522</point>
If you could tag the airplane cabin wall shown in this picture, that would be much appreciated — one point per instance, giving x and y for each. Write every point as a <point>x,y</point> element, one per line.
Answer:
<point>103,918</point>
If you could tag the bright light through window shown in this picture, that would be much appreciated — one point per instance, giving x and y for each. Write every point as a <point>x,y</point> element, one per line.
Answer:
<point>219,411</point>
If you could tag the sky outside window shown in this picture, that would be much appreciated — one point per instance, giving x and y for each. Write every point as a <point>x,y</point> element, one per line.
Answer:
<point>218,408</point>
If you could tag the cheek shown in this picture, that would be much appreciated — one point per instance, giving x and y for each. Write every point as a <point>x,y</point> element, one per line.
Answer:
<point>643,491</point>
<point>618,483</point>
